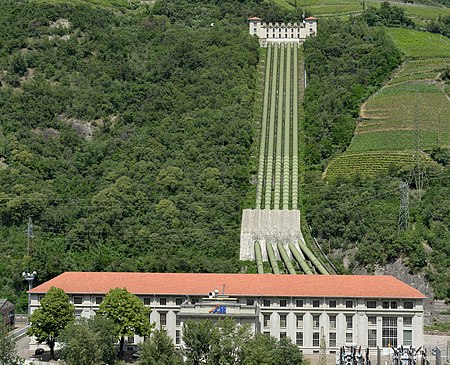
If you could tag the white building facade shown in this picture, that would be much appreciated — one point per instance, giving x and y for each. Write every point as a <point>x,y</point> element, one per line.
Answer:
<point>368,311</point>
<point>278,32</point>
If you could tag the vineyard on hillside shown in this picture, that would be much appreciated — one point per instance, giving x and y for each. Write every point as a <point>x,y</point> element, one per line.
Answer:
<point>369,163</point>
<point>410,112</point>
<point>420,13</point>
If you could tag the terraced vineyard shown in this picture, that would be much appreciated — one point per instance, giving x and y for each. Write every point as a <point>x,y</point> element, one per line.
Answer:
<point>350,163</point>
<point>278,158</point>
<point>412,107</point>
<point>419,13</point>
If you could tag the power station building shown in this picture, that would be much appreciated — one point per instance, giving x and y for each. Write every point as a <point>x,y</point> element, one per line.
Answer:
<point>369,311</point>
<point>278,32</point>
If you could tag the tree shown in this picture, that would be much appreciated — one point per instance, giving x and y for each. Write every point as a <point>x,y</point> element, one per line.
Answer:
<point>159,350</point>
<point>267,350</point>
<point>288,353</point>
<point>227,341</point>
<point>51,318</point>
<point>196,338</point>
<point>128,313</point>
<point>8,354</point>
<point>88,342</point>
<point>260,350</point>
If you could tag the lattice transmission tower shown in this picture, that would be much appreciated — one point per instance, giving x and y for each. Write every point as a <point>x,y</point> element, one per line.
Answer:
<point>418,172</point>
<point>403,215</point>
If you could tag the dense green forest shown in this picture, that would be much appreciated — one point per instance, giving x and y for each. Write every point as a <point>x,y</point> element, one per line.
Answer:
<point>125,136</point>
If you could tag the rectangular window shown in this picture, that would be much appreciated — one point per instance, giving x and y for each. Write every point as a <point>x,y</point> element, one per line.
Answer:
<point>332,319</point>
<point>407,338</point>
<point>349,322</point>
<point>266,320</point>
<point>77,300</point>
<point>98,300</point>
<point>299,339</point>
<point>372,338</point>
<point>349,304</point>
<point>389,332</point>
<point>316,340</point>
<point>385,305</point>
<point>299,320</point>
<point>177,320</point>
<point>408,305</point>
<point>332,339</point>
<point>162,301</point>
<point>178,337</point>
<point>316,303</point>
<point>282,334</point>
<point>299,303</point>
<point>250,301</point>
<point>178,301</point>
<point>371,304</point>
<point>162,319</point>
<point>394,305</point>
<point>147,301</point>
<point>407,321</point>
<point>332,304</point>
<point>316,321</point>
<point>283,320</point>
<point>194,300</point>
<point>348,337</point>
<point>78,313</point>
<point>283,302</point>
<point>266,303</point>
<point>372,320</point>
<point>130,339</point>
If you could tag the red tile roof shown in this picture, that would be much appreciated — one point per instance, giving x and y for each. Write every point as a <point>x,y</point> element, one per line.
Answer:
<point>350,286</point>
<point>254,18</point>
<point>310,18</point>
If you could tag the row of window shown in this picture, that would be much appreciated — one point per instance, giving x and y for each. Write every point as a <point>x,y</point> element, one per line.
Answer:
<point>389,332</point>
<point>316,303</point>
<point>372,320</point>
<point>276,25</point>
<point>389,336</point>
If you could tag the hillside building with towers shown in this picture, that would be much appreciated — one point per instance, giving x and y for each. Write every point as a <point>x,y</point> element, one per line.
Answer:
<point>277,32</point>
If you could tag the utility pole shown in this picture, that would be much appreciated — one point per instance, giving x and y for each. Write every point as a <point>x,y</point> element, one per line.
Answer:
<point>403,215</point>
<point>29,277</point>
<point>30,238</point>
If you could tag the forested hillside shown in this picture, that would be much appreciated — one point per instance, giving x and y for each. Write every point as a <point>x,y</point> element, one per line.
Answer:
<point>124,135</point>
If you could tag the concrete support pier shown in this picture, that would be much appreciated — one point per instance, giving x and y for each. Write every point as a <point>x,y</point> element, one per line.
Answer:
<point>268,226</point>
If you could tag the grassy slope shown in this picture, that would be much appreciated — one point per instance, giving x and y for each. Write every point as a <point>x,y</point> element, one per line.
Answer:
<point>418,12</point>
<point>388,118</point>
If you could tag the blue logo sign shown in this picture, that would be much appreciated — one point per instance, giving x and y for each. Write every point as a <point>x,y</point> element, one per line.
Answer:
<point>218,309</point>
